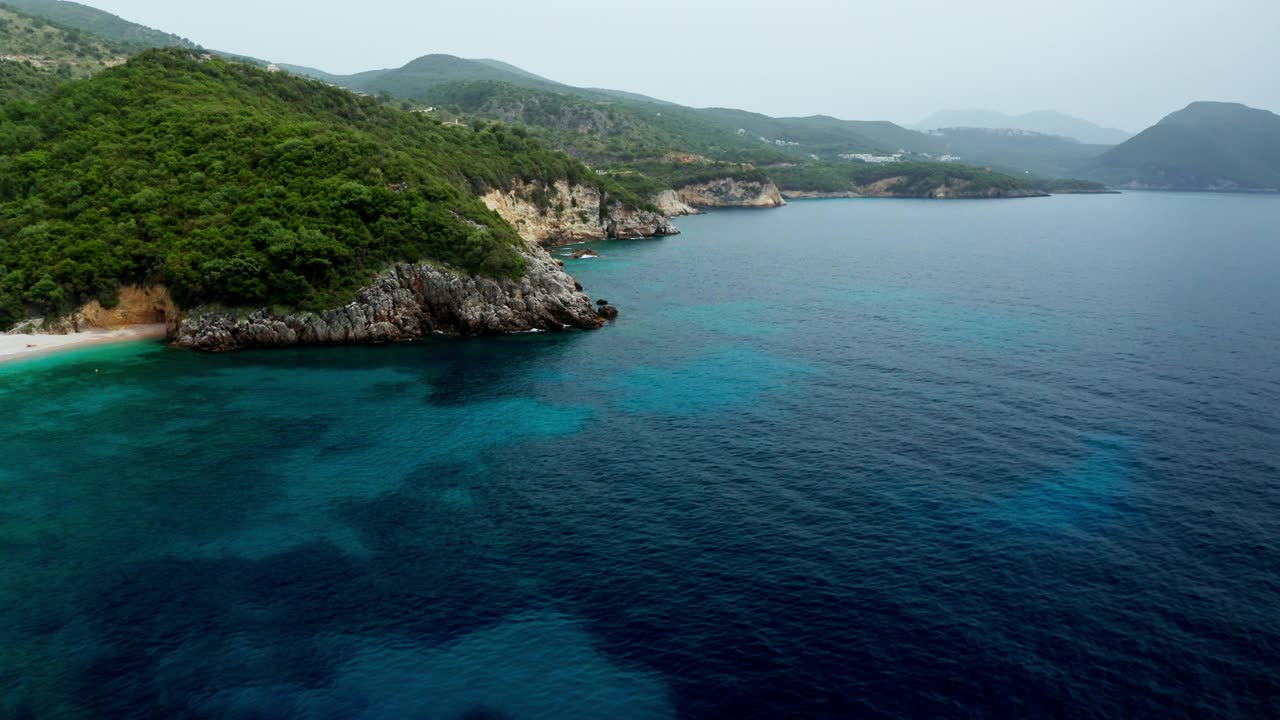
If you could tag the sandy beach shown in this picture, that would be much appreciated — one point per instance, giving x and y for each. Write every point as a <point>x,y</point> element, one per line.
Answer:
<point>15,347</point>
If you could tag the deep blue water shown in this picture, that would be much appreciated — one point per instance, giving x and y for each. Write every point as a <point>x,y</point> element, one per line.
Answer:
<point>869,458</point>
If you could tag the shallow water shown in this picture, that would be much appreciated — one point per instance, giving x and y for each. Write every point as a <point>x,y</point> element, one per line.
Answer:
<point>870,458</point>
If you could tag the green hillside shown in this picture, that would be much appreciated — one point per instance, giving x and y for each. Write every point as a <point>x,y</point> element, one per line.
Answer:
<point>430,71</point>
<point>237,186</point>
<point>917,179</point>
<point>41,54</point>
<point>600,131</point>
<point>612,127</point>
<point>99,22</point>
<point>821,135</point>
<point>1205,146</point>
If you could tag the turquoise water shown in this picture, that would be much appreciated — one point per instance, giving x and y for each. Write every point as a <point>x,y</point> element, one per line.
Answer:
<point>877,458</point>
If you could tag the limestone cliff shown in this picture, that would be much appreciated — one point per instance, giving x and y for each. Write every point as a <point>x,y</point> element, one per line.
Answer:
<point>564,214</point>
<point>669,203</point>
<point>731,192</point>
<point>409,302</point>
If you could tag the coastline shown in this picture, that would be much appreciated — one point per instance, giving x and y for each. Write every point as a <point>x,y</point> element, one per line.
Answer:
<point>19,347</point>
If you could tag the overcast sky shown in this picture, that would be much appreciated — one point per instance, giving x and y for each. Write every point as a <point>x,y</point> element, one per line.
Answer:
<point>1123,63</point>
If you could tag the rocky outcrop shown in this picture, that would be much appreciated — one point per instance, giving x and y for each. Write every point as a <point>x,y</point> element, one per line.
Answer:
<point>564,214</point>
<point>409,302</point>
<point>135,305</point>
<point>731,192</point>
<point>669,203</point>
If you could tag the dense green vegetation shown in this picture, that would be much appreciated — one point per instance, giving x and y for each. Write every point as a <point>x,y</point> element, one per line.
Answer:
<point>597,128</point>
<point>918,179</point>
<point>429,71</point>
<point>236,186</point>
<point>47,54</point>
<point>1205,146</point>
<point>1069,186</point>
<point>24,80</point>
<point>610,128</point>
<point>100,23</point>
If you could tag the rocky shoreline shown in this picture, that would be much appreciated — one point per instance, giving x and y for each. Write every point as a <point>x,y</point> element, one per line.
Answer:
<point>408,302</point>
<point>414,300</point>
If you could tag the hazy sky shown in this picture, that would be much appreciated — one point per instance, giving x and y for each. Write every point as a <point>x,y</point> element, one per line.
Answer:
<point>1124,63</point>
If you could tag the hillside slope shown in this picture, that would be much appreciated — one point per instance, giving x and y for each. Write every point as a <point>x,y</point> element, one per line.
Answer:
<point>36,55</point>
<point>420,75</point>
<point>619,129</point>
<point>1205,146</point>
<point>99,22</point>
<point>236,187</point>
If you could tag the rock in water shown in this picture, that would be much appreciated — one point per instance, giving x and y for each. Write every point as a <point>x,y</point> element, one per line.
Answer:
<point>409,302</point>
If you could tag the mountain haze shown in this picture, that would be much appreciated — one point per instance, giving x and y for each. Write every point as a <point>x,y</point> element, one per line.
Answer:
<point>1045,122</point>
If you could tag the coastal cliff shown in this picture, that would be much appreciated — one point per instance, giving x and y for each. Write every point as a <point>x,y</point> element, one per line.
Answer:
<point>731,192</point>
<point>669,203</point>
<point>407,302</point>
<point>563,214</point>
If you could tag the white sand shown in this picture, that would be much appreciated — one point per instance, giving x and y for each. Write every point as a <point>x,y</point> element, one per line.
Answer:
<point>13,347</point>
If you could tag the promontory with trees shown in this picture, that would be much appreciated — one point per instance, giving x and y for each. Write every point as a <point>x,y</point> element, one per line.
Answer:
<point>278,204</point>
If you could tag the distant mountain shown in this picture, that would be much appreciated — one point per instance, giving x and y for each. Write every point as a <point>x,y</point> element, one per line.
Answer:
<point>427,72</point>
<point>1045,122</point>
<point>823,135</point>
<point>1020,152</point>
<point>99,22</point>
<point>1204,146</point>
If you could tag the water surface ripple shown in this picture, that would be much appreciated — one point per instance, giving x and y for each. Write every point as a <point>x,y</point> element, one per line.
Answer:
<point>877,459</point>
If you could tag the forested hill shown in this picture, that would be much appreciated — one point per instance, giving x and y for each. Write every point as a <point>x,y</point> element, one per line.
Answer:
<point>429,71</point>
<point>99,22</point>
<point>1205,146</point>
<point>39,54</point>
<point>237,186</point>
<point>613,128</point>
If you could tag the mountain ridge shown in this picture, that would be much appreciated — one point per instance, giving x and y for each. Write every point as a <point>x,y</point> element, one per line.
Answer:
<point>1045,122</point>
<point>1206,145</point>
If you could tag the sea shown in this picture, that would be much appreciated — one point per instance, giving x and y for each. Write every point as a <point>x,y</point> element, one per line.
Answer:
<point>845,459</point>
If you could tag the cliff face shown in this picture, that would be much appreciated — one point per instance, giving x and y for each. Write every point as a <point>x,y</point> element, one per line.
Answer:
<point>670,204</point>
<point>136,305</point>
<point>729,192</point>
<point>573,214</point>
<point>409,302</point>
